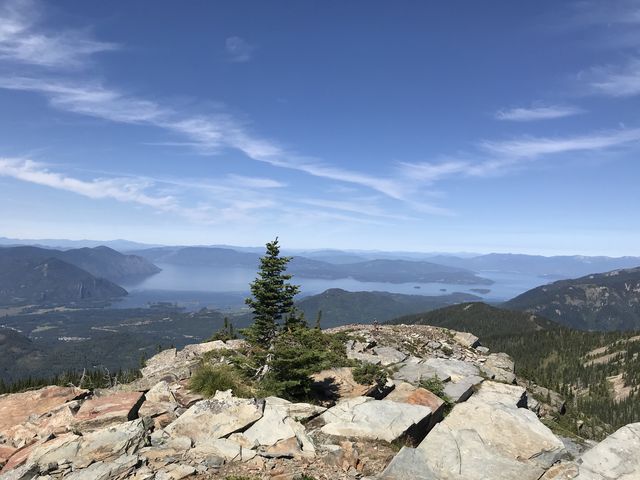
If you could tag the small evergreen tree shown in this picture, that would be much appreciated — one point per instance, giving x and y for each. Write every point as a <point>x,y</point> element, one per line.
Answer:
<point>272,299</point>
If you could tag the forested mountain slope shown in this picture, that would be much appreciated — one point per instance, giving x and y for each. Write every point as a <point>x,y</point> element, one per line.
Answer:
<point>606,301</point>
<point>597,372</point>
<point>340,307</point>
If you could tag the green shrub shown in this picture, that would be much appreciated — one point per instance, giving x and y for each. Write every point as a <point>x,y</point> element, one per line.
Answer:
<point>369,374</point>
<point>210,379</point>
<point>434,385</point>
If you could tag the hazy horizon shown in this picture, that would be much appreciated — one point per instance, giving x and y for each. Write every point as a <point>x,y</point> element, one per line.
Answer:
<point>50,241</point>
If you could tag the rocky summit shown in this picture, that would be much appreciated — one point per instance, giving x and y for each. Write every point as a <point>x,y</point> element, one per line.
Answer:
<point>449,410</point>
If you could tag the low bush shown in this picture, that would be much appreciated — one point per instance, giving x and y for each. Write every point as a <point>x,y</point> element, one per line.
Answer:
<point>370,374</point>
<point>434,385</point>
<point>209,379</point>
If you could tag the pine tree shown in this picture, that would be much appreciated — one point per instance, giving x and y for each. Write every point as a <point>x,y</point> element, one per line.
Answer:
<point>272,299</point>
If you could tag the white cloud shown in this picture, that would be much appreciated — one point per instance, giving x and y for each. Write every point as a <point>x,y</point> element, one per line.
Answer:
<point>207,133</point>
<point>21,43</point>
<point>122,189</point>
<point>228,202</point>
<point>254,182</point>
<point>614,80</point>
<point>501,157</point>
<point>535,147</point>
<point>238,49</point>
<point>538,113</point>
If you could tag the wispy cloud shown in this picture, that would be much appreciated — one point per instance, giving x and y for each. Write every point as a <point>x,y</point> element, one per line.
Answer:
<point>238,49</point>
<point>538,113</point>
<point>21,42</point>
<point>501,157</point>
<point>538,146</point>
<point>614,80</point>
<point>208,134</point>
<point>229,203</point>
<point>122,189</point>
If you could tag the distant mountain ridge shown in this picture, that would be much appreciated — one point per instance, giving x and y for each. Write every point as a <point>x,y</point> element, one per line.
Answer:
<point>554,266</point>
<point>340,307</point>
<point>33,275</point>
<point>103,262</point>
<point>482,320</point>
<point>380,270</point>
<point>29,280</point>
<point>606,301</point>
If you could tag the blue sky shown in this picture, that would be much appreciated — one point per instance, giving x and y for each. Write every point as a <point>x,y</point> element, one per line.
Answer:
<point>428,126</point>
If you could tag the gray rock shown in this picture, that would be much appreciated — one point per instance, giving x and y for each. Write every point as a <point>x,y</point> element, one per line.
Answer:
<point>414,373</point>
<point>461,390</point>
<point>273,426</point>
<point>561,471</point>
<point>216,418</point>
<point>451,368</point>
<point>23,472</point>
<point>493,393</point>
<point>466,339</point>
<point>219,447</point>
<point>616,457</point>
<point>110,443</point>
<point>175,472</point>
<point>178,365</point>
<point>119,468</point>
<point>364,417</point>
<point>459,453</point>
<point>489,438</point>
<point>499,367</point>
<point>409,463</point>
<point>389,355</point>
<point>482,349</point>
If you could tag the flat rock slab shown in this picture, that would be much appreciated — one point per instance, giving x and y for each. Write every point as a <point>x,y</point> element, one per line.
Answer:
<point>466,339</point>
<point>121,467</point>
<point>110,443</point>
<point>409,463</point>
<point>499,367</point>
<point>216,418</point>
<point>489,437</point>
<point>339,383</point>
<point>100,412</point>
<point>461,390</point>
<point>407,393</point>
<point>616,457</point>
<point>414,373</point>
<point>500,393</point>
<point>452,368</point>
<point>17,408</point>
<point>364,417</point>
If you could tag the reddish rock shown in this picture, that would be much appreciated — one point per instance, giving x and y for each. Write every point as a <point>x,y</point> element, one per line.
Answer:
<point>185,397</point>
<point>407,393</point>
<point>100,412</point>
<point>17,408</point>
<point>19,457</point>
<point>6,452</point>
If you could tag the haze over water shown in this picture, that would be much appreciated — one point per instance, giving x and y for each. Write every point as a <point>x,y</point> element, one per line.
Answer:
<point>196,287</point>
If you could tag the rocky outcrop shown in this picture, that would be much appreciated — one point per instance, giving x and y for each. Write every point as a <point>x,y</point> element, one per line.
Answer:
<point>157,429</point>
<point>112,409</point>
<point>364,417</point>
<point>173,365</point>
<point>488,437</point>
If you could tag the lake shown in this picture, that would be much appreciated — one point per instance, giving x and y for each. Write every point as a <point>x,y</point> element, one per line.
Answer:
<point>226,288</point>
